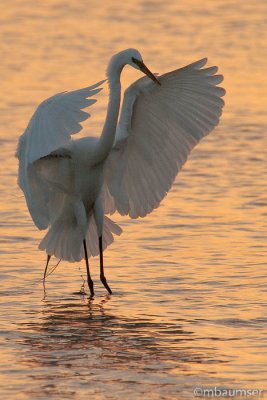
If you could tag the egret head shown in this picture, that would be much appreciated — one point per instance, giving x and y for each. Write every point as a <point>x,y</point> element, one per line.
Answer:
<point>133,58</point>
<point>137,62</point>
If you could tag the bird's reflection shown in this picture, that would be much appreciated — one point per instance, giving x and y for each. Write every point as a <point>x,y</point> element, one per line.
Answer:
<point>84,324</point>
<point>80,336</point>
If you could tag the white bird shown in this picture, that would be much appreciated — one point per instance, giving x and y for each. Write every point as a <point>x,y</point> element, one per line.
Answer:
<point>70,185</point>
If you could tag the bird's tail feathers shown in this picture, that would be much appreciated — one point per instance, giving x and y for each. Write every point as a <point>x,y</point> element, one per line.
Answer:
<point>64,239</point>
<point>110,229</point>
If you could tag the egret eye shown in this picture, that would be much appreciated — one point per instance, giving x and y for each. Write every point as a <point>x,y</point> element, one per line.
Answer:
<point>145,70</point>
<point>137,62</point>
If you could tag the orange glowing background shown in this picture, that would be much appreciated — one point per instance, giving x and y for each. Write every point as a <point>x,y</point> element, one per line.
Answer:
<point>198,263</point>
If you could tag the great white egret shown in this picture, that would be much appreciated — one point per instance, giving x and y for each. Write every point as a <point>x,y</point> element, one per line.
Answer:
<point>70,185</point>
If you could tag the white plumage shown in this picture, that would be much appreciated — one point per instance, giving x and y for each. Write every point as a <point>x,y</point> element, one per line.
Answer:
<point>158,128</point>
<point>70,185</point>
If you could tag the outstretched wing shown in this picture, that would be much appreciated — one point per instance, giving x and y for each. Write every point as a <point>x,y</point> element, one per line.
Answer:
<point>158,127</point>
<point>41,151</point>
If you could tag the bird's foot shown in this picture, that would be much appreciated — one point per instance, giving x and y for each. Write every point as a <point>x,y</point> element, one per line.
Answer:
<point>104,281</point>
<point>91,288</point>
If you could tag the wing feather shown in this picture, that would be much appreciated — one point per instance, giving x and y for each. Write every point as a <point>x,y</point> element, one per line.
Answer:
<point>48,131</point>
<point>158,127</point>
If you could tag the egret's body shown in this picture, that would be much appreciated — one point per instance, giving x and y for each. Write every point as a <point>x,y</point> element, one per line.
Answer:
<point>70,185</point>
<point>89,185</point>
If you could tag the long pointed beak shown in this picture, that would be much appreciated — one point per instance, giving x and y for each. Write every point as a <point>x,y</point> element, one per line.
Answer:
<point>146,71</point>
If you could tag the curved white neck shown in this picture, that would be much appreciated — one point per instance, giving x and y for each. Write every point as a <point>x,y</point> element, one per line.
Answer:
<point>109,129</point>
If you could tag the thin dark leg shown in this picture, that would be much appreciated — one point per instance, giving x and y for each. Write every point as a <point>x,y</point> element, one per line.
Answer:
<point>102,276</point>
<point>45,271</point>
<point>89,279</point>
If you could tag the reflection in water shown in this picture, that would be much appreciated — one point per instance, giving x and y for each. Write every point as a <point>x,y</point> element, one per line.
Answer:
<point>80,339</point>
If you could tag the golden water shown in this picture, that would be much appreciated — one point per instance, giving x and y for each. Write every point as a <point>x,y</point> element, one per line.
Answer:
<point>189,281</point>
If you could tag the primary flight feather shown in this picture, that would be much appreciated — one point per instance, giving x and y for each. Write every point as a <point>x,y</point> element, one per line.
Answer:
<point>70,185</point>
